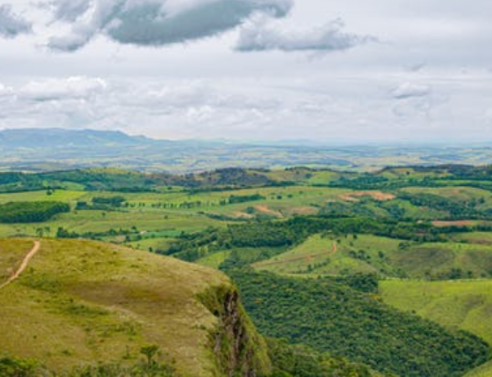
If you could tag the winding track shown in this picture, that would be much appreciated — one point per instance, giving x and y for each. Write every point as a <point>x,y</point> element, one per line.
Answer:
<point>23,266</point>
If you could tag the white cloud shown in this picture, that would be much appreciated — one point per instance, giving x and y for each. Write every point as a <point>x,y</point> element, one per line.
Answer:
<point>62,89</point>
<point>410,90</point>
<point>261,33</point>
<point>378,91</point>
<point>11,24</point>
<point>156,22</point>
<point>323,110</point>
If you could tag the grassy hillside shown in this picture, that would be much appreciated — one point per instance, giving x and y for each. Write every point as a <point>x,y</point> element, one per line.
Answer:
<point>330,255</point>
<point>335,255</point>
<point>459,304</point>
<point>83,302</point>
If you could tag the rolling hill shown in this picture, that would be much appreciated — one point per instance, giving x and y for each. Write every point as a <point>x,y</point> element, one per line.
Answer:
<point>83,302</point>
<point>58,148</point>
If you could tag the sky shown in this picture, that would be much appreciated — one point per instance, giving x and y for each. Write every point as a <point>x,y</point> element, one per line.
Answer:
<point>356,71</point>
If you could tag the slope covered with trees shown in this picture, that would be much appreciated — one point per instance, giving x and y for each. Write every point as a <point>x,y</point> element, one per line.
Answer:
<point>330,316</point>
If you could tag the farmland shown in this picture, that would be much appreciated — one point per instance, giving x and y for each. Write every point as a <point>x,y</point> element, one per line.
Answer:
<point>416,240</point>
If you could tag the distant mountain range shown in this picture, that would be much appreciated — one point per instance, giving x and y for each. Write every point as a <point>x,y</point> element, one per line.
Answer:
<point>61,138</point>
<point>55,149</point>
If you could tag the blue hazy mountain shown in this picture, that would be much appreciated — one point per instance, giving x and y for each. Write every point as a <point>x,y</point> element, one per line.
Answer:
<point>55,148</point>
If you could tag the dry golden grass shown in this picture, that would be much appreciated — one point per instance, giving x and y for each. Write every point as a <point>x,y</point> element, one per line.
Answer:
<point>82,301</point>
<point>11,255</point>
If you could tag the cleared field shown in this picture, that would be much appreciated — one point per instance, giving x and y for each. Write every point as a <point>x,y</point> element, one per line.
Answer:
<point>463,304</point>
<point>103,221</point>
<point>479,238</point>
<point>173,209</point>
<point>389,257</point>
<point>333,256</point>
<point>483,197</point>
<point>38,196</point>
<point>444,260</point>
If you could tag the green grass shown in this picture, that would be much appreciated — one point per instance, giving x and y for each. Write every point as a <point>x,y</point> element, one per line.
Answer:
<point>479,238</point>
<point>438,259</point>
<point>385,256</point>
<point>460,304</point>
<point>81,302</point>
<point>482,371</point>
<point>39,196</point>
<point>214,260</point>
<point>316,256</point>
<point>103,221</point>
<point>457,192</point>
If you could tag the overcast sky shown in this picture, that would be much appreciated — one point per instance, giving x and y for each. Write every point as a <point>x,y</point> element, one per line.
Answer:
<point>336,71</point>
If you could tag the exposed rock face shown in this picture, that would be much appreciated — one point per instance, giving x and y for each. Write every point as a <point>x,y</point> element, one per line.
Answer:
<point>238,348</point>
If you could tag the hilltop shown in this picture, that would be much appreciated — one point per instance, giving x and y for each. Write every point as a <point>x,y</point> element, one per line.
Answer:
<point>83,302</point>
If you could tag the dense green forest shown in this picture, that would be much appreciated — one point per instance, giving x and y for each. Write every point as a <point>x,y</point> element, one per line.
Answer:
<point>31,212</point>
<point>332,317</point>
<point>302,361</point>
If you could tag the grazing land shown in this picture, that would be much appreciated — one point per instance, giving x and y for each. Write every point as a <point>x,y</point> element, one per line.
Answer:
<point>412,244</point>
<point>86,302</point>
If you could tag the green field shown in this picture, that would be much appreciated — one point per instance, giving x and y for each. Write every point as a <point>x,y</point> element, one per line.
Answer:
<point>385,256</point>
<point>214,260</point>
<point>460,304</point>
<point>479,238</point>
<point>458,192</point>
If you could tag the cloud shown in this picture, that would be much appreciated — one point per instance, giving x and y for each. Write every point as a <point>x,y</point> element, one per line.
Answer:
<point>348,109</point>
<point>410,90</point>
<point>69,10</point>
<point>62,89</point>
<point>11,25</point>
<point>261,33</point>
<point>155,22</point>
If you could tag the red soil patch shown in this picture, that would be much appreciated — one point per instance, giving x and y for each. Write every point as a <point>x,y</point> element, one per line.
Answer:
<point>267,211</point>
<point>376,195</point>
<point>443,224</point>
<point>303,211</point>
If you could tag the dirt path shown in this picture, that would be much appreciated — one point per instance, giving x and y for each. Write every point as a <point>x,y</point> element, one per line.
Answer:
<point>23,266</point>
<point>304,257</point>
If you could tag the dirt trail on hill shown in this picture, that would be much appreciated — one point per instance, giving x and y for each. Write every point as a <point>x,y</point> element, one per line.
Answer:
<point>304,257</point>
<point>23,266</point>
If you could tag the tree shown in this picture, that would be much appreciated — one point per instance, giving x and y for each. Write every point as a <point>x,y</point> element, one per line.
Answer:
<point>149,352</point>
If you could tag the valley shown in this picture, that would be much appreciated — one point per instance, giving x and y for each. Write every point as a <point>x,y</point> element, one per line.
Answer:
<point>352,266</point>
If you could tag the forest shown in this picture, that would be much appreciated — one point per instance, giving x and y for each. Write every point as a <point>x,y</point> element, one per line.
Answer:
<point>31,212</point>
<point>332,317</point>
